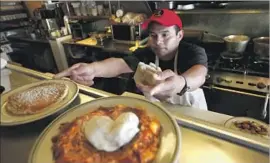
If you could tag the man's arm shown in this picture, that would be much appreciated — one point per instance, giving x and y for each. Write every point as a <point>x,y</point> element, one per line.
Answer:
<point>111,67</point>
<point>195,76</point>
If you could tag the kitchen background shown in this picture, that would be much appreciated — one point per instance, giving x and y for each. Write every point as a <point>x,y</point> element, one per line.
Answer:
<point>237,83</point>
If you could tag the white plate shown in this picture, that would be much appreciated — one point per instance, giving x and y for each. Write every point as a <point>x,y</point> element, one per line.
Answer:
<point>230,124</point>
<point>170,136</point>
<point>11,120</point>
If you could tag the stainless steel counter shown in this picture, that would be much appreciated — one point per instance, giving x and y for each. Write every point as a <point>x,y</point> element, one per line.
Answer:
<point>197,145</point>
<point>27,38</point>
<point>108,46</point>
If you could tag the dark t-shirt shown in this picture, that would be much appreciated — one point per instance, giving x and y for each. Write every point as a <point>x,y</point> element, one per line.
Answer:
<point>188,56</point>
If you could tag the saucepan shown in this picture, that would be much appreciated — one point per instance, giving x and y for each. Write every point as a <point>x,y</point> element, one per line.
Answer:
<point>261,47</point>
<point>236,43</point>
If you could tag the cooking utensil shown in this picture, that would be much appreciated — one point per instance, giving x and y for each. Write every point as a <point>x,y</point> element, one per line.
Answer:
<point>236,43</point>
<point>261,47</point>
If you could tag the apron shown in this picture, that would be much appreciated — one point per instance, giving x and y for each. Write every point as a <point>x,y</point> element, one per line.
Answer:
<point>195,98</point>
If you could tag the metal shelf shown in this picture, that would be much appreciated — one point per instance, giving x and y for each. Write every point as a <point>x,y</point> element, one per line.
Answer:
<point>222,11</point>
<point>4,42</point>
<point>11,12</point>
<point>13,21</point>
<point>11,28</point>
<point>88,18</point>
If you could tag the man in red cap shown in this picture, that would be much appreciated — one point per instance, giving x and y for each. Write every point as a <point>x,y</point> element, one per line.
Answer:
<point>184,65</point>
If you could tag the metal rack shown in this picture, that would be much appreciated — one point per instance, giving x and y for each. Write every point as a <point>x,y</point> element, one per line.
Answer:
<point>14,15</point>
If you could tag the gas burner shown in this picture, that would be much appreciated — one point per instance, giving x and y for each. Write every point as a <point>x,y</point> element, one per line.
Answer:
<point>261,59</point>
<point>231,56</point>
<point>260,66</point>
<point>230,64</point>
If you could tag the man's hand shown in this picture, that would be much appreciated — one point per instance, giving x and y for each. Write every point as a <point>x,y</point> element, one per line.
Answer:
<point>81,73</point>
<point>170,84</point>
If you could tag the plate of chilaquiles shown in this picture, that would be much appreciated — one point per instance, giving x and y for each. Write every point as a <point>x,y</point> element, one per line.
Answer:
<point>36,100</point>
<point>114,129</point>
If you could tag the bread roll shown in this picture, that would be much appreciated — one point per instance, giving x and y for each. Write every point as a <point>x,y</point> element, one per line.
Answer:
<point>145,74</point>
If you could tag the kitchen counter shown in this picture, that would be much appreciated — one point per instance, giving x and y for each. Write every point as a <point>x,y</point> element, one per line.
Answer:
<point>202,140</point>
<point>107,46</point>
<point>28,38</point>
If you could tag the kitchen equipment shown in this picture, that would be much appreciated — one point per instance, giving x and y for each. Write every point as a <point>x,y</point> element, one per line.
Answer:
<point>170,135</point>
<point>124,33</point>
<point>52,17</point>
<point>261,47</point>
<point>236,43</point>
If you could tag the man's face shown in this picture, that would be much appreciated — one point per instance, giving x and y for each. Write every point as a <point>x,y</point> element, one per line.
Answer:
<point>164,40</point>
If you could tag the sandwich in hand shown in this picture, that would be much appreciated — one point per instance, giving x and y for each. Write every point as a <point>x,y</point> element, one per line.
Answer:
<point>145,74</point>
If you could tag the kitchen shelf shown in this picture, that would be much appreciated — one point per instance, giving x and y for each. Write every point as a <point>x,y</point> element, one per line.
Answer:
<point>13,21</point>
<point>13,11</point>
<point>222,11</point>
<point>11,28</point>
<point>4,42</point>
<point>88,18</point>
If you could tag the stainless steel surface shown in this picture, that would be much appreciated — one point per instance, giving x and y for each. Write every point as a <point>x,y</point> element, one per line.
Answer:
<point>261,47</point>
<point>198,147</point>
<point>264,111</point>
<point>86,90</point>
<point>236,43</point>
<point>225,134</point>
<point>67,7</point>
<point>245,82</point>
<point>234,91</point>
<point>229,11</point>
<point>28,38</point>
<point>59,52</point>
<point>108,46</point>
<point>237,21</point>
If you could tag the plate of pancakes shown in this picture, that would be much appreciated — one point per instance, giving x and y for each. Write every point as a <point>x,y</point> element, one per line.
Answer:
<point>68,138</point>
<point>36,101</point>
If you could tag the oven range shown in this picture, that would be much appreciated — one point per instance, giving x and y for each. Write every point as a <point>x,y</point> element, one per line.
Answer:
<point>244,72</point>
<point>238,85</point>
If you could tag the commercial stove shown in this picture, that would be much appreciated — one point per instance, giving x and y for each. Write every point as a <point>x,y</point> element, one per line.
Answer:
<point>238,85</point>
<point>245,72</point>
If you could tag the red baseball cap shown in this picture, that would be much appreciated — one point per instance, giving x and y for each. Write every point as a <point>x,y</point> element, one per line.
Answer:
<point>164,17</point>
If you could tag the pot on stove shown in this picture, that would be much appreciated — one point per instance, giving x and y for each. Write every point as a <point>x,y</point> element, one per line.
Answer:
<point>261,47</point>
<point>236,43</point>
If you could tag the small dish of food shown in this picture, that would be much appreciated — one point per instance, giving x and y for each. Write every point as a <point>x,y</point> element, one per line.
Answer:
<point>113,130</point>
<point>249,126</point>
